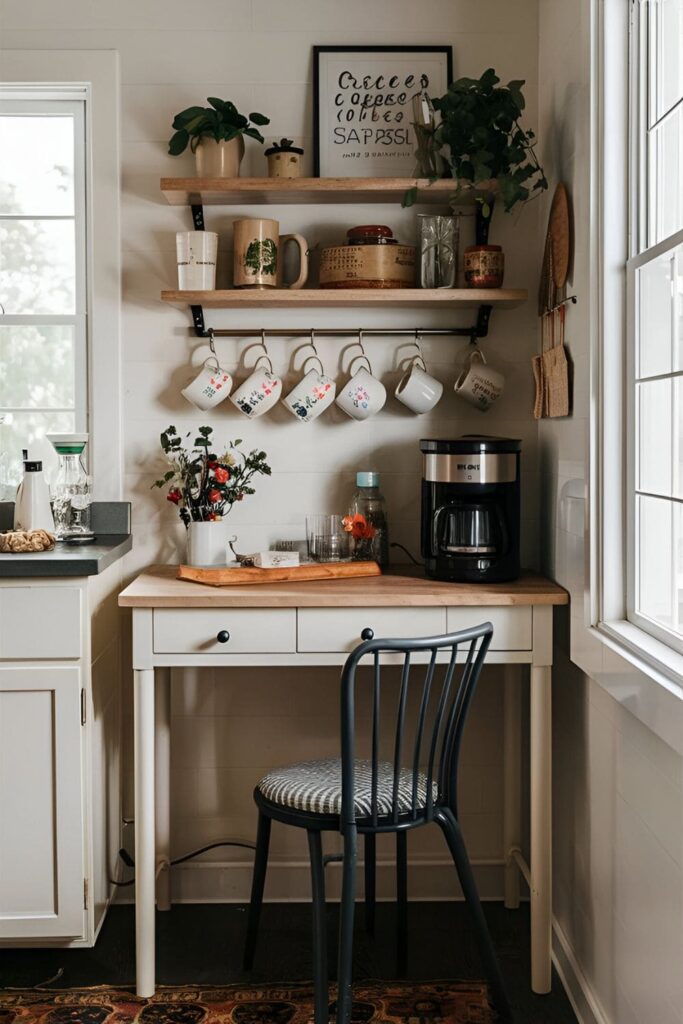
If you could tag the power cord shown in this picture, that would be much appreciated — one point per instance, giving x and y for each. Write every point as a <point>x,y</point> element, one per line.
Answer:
<point>130,863</point>
<point>408,553</point>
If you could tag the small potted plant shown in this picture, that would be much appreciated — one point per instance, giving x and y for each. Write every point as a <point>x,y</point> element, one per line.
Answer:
<point>204,485</point>
<point>284,159</point>
<point>483,142</point>
<point>215,135</point>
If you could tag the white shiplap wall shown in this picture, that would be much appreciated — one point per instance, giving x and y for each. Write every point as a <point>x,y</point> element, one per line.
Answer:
<point>259,53</point>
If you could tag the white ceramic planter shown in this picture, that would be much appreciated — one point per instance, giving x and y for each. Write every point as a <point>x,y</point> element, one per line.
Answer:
<point>207,543</point>
<point>219,159</point>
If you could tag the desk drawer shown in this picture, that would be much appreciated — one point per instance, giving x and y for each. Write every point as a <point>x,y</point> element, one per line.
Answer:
<point>40,622</point>
<point>195,630</point>
<point>511,626</point>
<point>339,629</point>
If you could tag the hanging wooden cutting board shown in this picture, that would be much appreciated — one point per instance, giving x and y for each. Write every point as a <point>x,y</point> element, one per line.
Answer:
<point>315,571</point>
<point>559,232</point>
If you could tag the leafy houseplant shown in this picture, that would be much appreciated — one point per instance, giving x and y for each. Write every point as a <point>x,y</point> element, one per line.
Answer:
<point>221,121</point>
<point>205,485</point>
<point>215,135</point>
<point>482,138</point>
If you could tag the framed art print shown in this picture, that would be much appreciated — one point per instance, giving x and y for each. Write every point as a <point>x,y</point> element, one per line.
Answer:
<point>362,106</point>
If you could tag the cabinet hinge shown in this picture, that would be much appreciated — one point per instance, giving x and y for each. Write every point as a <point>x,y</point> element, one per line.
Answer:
<point>85,893</point>
<point>83,707</point>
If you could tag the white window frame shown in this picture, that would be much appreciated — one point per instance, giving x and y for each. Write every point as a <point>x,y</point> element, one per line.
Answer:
<point>617,109</point>
<point>58,101</point>
<point>94,74</point>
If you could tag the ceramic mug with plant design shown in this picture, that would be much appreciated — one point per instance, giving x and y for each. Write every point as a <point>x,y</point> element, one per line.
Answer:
<point>363,395</point>
<point>259,392</point>
<point>312,395</point>
<point>258,250</point>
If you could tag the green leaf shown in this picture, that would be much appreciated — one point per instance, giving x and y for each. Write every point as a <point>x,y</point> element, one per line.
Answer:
<point>259,119</point>
<point>178,142</point>
<point>409,196</point>
<point>181,119</point>
<point>253,133</point>
<point>216,103</point>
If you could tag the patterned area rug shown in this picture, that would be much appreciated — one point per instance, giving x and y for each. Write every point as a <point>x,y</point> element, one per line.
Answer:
<point>447,1002</point>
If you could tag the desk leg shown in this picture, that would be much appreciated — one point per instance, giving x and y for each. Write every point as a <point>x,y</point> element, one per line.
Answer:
<point>162,776</point>
<point>512,780</point>
<point>541,827</point>
<point>144,831</point>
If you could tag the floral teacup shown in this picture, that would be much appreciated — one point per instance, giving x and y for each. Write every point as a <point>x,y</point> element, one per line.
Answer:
<point>211,385</point>
<point>258,393</point>
<point>311,396</point>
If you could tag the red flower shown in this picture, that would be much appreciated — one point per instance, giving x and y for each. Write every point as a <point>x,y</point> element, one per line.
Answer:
<point>174,495</point>
<point>211,517</point>
<point>240,496</point>
<point>214,496</point>
<point>212,464</point>
<point>222,475</point>
<point>359,527</point>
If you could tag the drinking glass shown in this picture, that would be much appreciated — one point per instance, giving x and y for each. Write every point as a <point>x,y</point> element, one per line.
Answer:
<point>327,539</point>
<point>439,244</point>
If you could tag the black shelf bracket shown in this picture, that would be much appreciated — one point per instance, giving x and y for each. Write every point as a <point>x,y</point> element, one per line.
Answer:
<point>198,216</point>
<point>198,320</point>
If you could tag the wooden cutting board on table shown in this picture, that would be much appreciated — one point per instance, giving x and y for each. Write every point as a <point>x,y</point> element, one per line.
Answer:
<point>300,573</point>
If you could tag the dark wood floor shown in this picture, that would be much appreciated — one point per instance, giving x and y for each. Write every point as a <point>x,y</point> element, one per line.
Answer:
<point>203,944</point>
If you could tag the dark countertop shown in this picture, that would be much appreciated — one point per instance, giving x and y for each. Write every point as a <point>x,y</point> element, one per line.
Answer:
<point>69,559</point>
<point>111,524</point>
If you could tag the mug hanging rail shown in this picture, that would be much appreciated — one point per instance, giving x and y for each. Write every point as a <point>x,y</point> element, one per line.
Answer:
<point>478,330</point>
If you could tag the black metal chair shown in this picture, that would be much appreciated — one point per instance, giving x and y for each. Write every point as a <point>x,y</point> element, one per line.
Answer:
<point>374,796</point>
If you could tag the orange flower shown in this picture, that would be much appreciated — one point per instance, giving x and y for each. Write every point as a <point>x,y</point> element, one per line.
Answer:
<point>358,527</point>
<point>221,474</point>
<point>214,496</point>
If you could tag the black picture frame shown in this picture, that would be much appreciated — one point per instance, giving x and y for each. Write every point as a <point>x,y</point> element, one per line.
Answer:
<point>318,51</point>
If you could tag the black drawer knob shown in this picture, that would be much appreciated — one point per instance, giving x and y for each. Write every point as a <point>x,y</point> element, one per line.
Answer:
<point>367,633</point>
<point>223,636</point>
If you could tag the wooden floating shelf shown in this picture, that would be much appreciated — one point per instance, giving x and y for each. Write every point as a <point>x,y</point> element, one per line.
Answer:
<point>281,191</point>
<point>406,298</point>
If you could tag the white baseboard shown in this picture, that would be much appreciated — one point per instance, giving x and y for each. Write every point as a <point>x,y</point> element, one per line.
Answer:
<point>574,981</point>
<point>290,881</point>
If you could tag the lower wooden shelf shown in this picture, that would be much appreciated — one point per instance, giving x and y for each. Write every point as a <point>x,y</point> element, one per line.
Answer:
<point>283,298</point>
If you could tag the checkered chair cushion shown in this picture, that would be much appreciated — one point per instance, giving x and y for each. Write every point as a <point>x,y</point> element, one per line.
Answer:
<point>315,786</point>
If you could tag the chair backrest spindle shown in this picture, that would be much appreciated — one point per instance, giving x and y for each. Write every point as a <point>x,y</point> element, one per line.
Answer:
<point>437,730</point>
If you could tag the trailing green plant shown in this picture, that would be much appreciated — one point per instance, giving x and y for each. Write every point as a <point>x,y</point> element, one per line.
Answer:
<point>221,121</point>
<point>482,139</point>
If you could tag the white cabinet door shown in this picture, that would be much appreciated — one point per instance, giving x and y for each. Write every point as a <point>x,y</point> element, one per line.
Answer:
<point>41,816</point>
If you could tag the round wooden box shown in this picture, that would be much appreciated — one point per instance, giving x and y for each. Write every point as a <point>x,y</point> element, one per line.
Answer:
<point>368,266</point>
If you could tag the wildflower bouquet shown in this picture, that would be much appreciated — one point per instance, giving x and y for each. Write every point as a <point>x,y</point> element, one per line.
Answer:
<point>203,484</point>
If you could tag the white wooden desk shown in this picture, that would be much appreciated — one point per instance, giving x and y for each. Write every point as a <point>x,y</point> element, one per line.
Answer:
<point>177,624</point>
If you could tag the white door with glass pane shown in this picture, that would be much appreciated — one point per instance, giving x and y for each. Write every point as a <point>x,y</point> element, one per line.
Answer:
<point>41,804</point>
<point>43,365</point>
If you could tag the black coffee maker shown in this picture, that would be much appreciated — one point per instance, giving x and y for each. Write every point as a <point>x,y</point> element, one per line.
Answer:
<point>470,509</point>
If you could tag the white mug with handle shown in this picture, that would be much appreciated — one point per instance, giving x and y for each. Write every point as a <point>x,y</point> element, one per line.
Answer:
<point>211,385</point>
<point>417,389</point>
<point>312,395</point>
<point>478,383</point>
<point>363,395</point>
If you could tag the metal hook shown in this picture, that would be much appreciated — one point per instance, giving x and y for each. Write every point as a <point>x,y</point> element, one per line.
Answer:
<point>360,342</point>
<point>2,308</point>
<point>211,342</point>
<point>418,346</point>
<point>312,341</point>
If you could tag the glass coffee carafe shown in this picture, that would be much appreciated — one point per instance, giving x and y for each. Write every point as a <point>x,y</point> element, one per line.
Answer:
<point>71,489</point>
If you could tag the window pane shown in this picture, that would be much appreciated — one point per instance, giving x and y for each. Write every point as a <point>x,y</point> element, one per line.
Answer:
<point>37,167</point>
<point>666,55</point>
<point>37,266</point>
<point>28,430</point>
<point>654,284</point>
<point>658,572</point>
<point>37,366</point>
<point>656,436</point>
<point>665,207</point>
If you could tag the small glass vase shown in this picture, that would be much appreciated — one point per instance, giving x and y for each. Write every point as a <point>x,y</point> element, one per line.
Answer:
<point>439,239</point>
